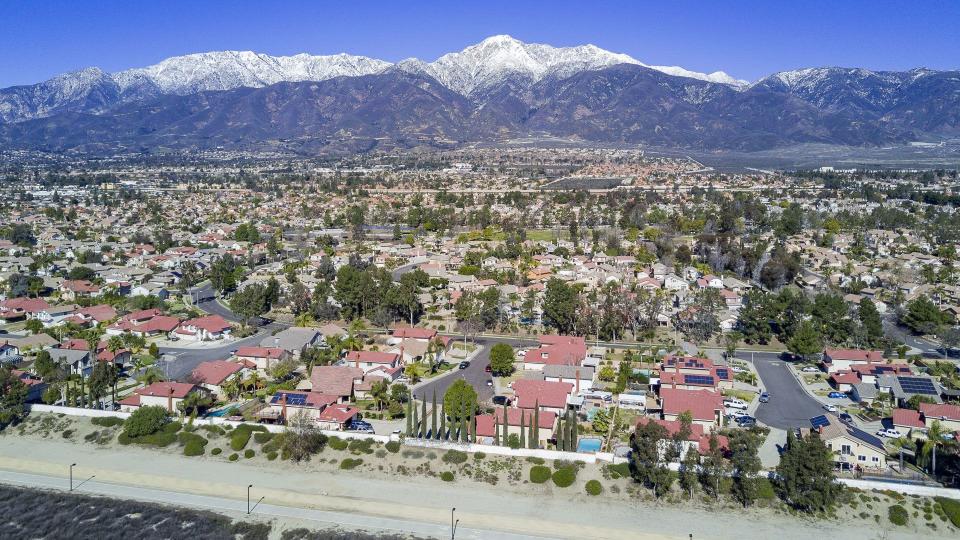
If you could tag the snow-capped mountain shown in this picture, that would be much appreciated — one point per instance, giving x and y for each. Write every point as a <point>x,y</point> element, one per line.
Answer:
<point>493,62</point>
<point>227,70</point>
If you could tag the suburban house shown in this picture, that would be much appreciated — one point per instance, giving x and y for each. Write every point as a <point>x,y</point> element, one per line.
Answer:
<point>556,350</point>
<point>211,375</point>
<point>338,417</point>
<point>294,340</point>
<point>261,357</point>
<point>698,439</point>
<point>853,447</point>
<point>21,308</point>
<point>704,406</point>
<point>284,404</point>
<point>336,381</point>
<point>948,415</point>
<point>908,421</point>
<point>71,289</point>
<point>35,385</point>
<point>206,328</point>
<point>548,396</point>
<point>10,354</point>
<point>368,360</point>
<point>487,424</point>
<point>55,315</point>
<point>79,362</point>
<point>165,394</point>
<point>144,323</point>
<point>692,373</point>
<point>842,359</point>
<point>581,377</point>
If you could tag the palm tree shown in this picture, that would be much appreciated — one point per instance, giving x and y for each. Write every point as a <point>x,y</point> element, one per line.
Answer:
<point>380,391</point>
<point>935,437</point>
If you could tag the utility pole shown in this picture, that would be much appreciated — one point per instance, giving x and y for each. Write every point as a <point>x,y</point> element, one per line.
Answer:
<point>248,498</point>
<point>72,465</point>
<point>453,524</point>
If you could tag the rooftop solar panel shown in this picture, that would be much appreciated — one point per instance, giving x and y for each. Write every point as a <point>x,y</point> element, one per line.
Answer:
<point>819,421</point>
<point>698,379</point>
<point>917,385</point>
<point>723,373</point>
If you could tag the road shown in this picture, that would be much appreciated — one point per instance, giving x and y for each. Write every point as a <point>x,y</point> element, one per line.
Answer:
<point>790,405</point>
<point>474,374</point>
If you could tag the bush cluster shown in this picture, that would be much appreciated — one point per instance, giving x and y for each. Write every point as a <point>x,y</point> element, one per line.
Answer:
<point>564,477</point>
<point>455,457</point>
<point>106,421</point>
<point>898,515</point>
<point>193,444</point>
<point>594,487</point>
<point>262,437</point>
<point>539,474</point>
<point>361,446</point>
<point>217,451</point>
<point>145,421</point>
<point>350,463</point>
<point>951,507</point>
<point>337,443</point>
<point>241,435</point>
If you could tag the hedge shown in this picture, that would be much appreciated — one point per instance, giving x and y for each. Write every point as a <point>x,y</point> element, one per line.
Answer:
<point>564,477</point>
<point>594,487</point>
<point>350,463</point>
<point>539,474</point>
<point>898,515</point>
<point>262,437</point>
<point>951,507</point>
<point>106,421</point>
<point>393,446</point>
<point>446,476</point>
<point>455,457</point>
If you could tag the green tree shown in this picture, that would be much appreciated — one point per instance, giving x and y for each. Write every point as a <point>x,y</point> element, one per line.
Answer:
<point>460,400</point>
<point>806,341</point>
<point>870,321</point>
<point>649,466</point>
<point>923,316</point>
<point>805,478</point>
<point>560,306</point>
<point>145,421</point>
<point>501,359</point>
<point>13,397</point>
<point>746,466</point>
<point>194,403</point>
<point>688,470</point>
<point>380,392</point>
<point>714,467</point>
<point>43,365</point>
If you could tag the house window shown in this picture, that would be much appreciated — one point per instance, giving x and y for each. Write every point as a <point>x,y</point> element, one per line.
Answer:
<point>845,450</point>
<point>861,458</point>
<point>876,459</point>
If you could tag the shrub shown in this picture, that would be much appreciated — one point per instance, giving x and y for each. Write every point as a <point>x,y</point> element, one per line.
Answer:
<point>536,460</point>
<point>620,470</point>
<point>480,455</point>
<point>67,433</point>
<point>106,421</point>
<point>564,477</point>
<point>337,443</point>
<point>193,444</point>
<point>951,508</point>
<point>145,421</point>
<point>241,435</point>
<point>446,476</point>
<point>898,515</point>
<point>393,447</point>
<point>233,457</point>
<point>350,463</point>
<point>539,474</point>
<point>217,451</point>
<point>272,456</point>
<point>248,453</point>
<point>213,429</point>
<point>361,446</point>
<point>594,487</point>
<point>455,457</point>
<point>262,437</point>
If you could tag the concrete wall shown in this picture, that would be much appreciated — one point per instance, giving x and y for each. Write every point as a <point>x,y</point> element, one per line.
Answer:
<point>507,451</point>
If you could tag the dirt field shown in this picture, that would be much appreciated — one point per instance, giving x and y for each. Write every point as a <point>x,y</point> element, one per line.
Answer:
<point>488,492</point>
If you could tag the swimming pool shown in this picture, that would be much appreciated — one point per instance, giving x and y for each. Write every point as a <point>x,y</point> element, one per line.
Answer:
<point>226,411</point>
<point>589,445</point>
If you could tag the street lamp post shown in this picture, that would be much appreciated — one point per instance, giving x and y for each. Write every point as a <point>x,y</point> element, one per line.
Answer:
<point>72,465</point>
<point>453,524</point>
<point>248,498</point>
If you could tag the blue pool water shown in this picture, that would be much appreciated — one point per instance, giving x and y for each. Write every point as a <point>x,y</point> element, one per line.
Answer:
<point>590,444</point>
<point>222,412</point>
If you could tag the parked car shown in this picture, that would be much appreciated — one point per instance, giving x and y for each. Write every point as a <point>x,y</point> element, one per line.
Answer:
<point>746,421</point>
<point>464,365</point>
<point>891,433</point>
<point>738,369</point>
<point>836,395</point>
<point>810,369</point>
<point>490,382</point>
<point>502,400</point>
<point>764,397</point>
<point>830,408</point>
<point>488,369</point>
<point>737,414</point>
<point>846,418</point>
<point>735,404</point>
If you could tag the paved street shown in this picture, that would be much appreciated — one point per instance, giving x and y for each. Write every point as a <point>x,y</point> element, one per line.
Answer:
<point>790,405</point>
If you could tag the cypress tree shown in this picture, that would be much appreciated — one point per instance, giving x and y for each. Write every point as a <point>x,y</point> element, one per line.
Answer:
<point>433,418</point>
<point>523,434</point>
<point>423,418</point>
<point>409,418</point>
<point>416,424</point>
<point>535,428</point>
<point>506,425</point>
<point>443,424</point>
<point>473,428</point>
<point>561,435</point>
<point>572,426</point>
<point>496,431</point>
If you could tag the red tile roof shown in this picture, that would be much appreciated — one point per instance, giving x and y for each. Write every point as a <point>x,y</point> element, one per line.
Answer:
<point>163,389</point>
<point>28,305</point>
<point>940,410</point>
<point>558,350</point>
<point>260,352</point>
<point>907,417</point>
<point>372,357</point>
<point>702,404</point>
<point>210,323</point>
<point>338,413</point>
<point>415,333</point>
<point>215,371</point>
<point>334,380</point>
<point>531,393</point>
<point>854,354</point>
<point>845,377</point>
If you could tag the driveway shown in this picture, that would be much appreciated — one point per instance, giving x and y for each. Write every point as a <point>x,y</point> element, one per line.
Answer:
<point>790,405</point>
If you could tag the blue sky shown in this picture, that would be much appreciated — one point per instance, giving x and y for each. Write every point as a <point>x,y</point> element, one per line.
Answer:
<point>747,39</point>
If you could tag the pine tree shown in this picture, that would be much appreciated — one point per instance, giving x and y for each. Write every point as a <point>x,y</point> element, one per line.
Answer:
<point>433,418</point>
<point>409,418</point>
<point>443,424</point>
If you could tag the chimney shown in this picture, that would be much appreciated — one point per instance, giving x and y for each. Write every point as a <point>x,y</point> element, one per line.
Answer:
<point>400,362</point>
<point>170,400</point>
<point>283,405</point>
<point>357,361</point>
